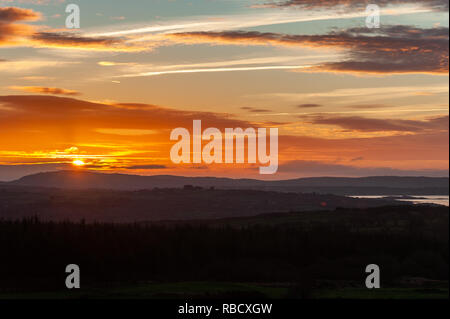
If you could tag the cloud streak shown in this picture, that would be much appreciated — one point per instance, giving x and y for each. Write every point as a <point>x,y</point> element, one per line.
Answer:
<point>441,5</point>
<point>393,49</point>
<point>313,168</point>
<point>242,21</point>
<point>73,41</point>
<point>364,124</point>
<point>214,70</point>
<point>45,90</point>
<point>309,105</point>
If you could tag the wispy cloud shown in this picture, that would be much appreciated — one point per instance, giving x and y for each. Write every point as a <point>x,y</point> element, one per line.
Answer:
<point>353,96</point>
<point>206,70</point>
<point>45,90</point>
<point>254,110</point>
<point>248,64</point>
<point>365,124</point>
<point>241,21</point>
<point>17,66</point>
<point>66,40</point>
<point>309,105</point>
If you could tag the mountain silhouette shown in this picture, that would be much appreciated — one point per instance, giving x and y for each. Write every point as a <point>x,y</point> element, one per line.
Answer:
<point>377,185</point>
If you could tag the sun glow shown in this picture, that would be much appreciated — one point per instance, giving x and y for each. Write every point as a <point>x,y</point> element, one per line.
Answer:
<point>78,162</point>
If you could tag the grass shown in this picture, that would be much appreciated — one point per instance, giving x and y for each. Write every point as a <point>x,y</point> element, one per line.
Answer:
<point>178,290</point>
<point>202,290</point>
<point>384,293</point>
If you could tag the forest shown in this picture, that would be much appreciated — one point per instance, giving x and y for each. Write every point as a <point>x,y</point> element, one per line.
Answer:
<point>304,249</point>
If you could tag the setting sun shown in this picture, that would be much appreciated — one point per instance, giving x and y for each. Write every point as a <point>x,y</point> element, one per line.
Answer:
<point>78,162</point>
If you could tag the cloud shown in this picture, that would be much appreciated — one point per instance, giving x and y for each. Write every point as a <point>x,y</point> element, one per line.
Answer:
<point>13,14</point>
<point>16,66</point>
<point>74,41</point>
<point>235,65</point>
<point>68,39</point>
<point>313,168</point>
<point>354,4</point>
<point>391,49</point>
<point>309,105</point>
<point>124,119</point>
<point>369,106</point>
<point>147,37</point>
<point>125,132</point>
<point>34,2</point>
<point>394,49</point>
<point>214,70</point>
<point>364,124</point>
<point>11,31</point>
<point>112,63</point>
<point>146,167</point>
<point>346,97</point>
<point>45,90</point>
<point>16,34</point>
<point>243,21</point>
<point>254,110</point>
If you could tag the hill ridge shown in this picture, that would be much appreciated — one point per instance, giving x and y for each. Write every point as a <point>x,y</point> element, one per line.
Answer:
<point>74,179</point>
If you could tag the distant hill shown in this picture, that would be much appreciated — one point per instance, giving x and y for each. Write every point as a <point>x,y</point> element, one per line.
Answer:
<point>376,185</point>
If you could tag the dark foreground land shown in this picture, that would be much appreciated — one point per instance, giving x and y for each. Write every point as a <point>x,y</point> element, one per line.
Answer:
<point>188,203</point>
<point>320,254</point>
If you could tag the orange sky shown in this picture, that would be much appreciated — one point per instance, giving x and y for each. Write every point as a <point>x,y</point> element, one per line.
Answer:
<point>348,101</point>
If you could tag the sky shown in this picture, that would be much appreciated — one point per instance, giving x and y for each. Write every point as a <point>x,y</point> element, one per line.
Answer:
<point>347,100</point>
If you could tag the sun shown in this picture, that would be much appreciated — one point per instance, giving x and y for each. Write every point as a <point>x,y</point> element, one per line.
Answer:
<point>78,162</point>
